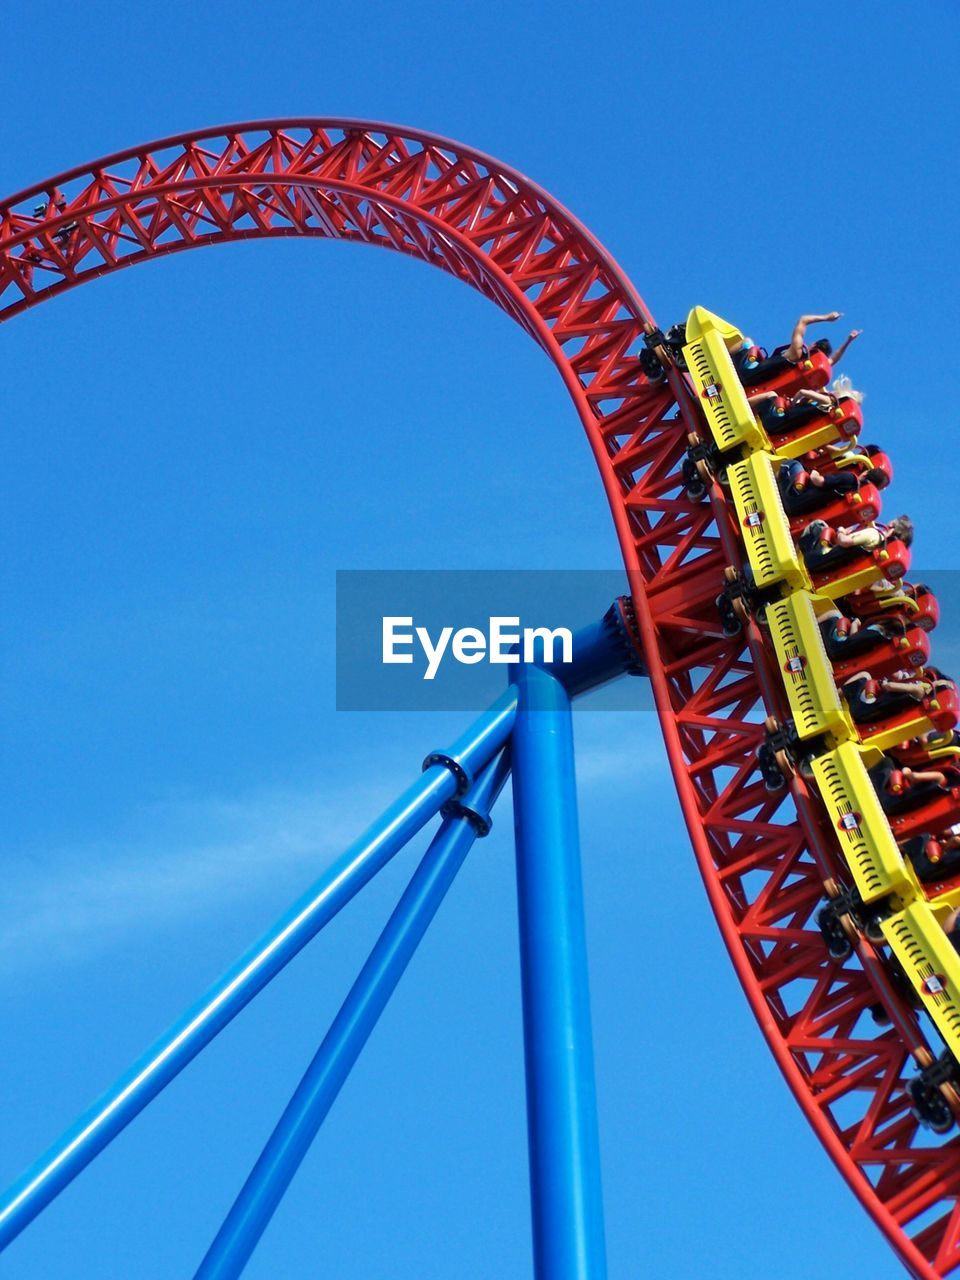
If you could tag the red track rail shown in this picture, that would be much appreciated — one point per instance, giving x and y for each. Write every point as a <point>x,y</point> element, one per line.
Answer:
<point>495,230</point>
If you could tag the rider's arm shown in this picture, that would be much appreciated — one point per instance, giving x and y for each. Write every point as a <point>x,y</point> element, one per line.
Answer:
<point>868,537</point>
<point>926,775</point>
<point>918,688</point>
<point>795,349</point>
<point>838,354</point>
<point>822,398</point>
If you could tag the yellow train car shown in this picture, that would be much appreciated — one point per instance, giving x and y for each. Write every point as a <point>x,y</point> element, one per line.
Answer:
<point>815,703</point>
<point>707,353</point>
<point>930,961</point>
<point>817,706</point>
<point>863,834</point>
<point>913,928</point>
<point>764,527</point>
<point>733,423</point>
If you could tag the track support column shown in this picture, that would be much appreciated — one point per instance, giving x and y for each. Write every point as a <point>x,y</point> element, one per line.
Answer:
<point>567,1206</point>
<point>300,1123</point>
<point>447,775</point>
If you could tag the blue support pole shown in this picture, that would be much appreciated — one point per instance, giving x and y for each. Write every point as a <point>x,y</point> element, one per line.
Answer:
<point>600,652</point>
<point>568,1236</point>
<point>368,997</point>
<point>447,774</point>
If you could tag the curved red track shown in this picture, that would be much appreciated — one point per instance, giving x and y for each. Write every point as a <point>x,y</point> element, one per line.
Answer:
<point>762,862</point>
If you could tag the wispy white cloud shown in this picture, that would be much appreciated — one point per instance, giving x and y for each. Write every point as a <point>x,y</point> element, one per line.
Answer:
<point>67,902</point>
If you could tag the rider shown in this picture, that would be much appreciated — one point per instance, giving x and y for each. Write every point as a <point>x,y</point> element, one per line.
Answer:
<point>934,857</point>
<point>778,414</point>
<point>804,491</point>
<point>862,458</point>
<point>754,365</point>
<point>899,787</point>
<point>870,700</point>
<point>845,637</point>
<point>823,547</point>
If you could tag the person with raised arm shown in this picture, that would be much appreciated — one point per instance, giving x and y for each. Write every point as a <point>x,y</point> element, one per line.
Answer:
<point>754,366</point>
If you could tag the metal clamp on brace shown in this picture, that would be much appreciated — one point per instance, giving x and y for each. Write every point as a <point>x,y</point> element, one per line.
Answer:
<point>652,366</point>
<point>833,922</point>
<point>453,764</point>
<point>663,349</point>
<point>478,817</point>
<point>660,352</point>
<point>675,340</point>
<point>845,901</point>
<point>705,451</point>
<point>655,357</point>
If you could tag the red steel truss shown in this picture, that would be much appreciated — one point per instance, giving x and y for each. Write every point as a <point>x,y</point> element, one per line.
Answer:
<point>763,856</point>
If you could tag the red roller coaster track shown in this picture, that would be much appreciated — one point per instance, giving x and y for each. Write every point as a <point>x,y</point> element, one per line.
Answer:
<point>763,856</point>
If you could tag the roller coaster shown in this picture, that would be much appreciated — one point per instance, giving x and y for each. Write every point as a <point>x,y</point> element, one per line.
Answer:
<point>812,745</point>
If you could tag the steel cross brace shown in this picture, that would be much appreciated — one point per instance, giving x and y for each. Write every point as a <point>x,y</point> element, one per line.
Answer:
<point>533,715</point>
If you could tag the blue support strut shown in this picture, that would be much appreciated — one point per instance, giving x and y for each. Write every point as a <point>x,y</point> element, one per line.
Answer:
<point>568,1237</point>
<point>317,1091</point>
<point>446,775</point>
<point>601,652</point>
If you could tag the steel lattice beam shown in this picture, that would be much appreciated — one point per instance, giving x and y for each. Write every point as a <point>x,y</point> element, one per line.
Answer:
<point>762,861</point>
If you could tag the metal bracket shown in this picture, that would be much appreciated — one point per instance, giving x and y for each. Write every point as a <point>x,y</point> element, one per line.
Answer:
<point>478,818</point>
<point>740,589</point>
<point>866,916</point>
<point>784,738</point>
<point>450,762</point>
<point>942,1071</point>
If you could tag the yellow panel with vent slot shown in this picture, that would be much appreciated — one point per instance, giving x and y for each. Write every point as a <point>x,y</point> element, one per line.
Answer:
<point>701,321</point>
<point>815,703</point>
<point>764,528</point>
<point>931,963</point>
<point>707,353</point>
<point>863,833</point>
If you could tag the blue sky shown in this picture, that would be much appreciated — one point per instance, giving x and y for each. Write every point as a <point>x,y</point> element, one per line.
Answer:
<point>192,449</point>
